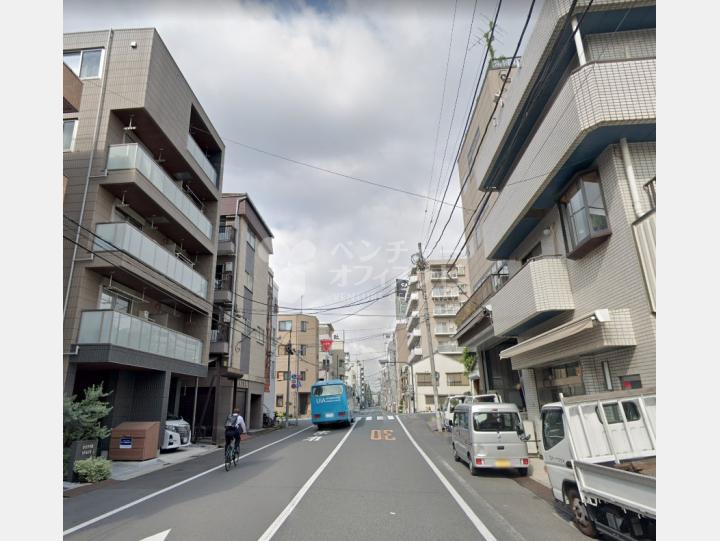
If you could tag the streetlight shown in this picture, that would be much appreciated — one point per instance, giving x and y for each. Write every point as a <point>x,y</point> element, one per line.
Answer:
<point>412,379</point>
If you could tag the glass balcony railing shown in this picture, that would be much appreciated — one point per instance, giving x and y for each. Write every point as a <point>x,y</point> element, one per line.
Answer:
<point>111,237</point>
<point>118,329</point>
<point>197,153</point>
<point>449,347</point>
<point>132,156</point>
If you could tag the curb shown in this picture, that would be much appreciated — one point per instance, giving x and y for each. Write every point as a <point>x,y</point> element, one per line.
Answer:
<point>88,488</point>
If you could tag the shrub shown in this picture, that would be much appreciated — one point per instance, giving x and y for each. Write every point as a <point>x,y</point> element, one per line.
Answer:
<point>81,418</point>
<point>93,469</point>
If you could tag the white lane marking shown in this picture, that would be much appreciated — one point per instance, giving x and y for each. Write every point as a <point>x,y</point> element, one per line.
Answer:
<point>313,438</point>
<point>157,537</point>
<point>380,418</point>
<point>391,418</point>
<point>494,512</point>
<point>166,489</point>
<point>479,526</point>
<point>282,517</point>
<point>368,418</point>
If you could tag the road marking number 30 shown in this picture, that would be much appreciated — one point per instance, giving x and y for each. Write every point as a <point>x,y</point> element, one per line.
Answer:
<point>386,435</point>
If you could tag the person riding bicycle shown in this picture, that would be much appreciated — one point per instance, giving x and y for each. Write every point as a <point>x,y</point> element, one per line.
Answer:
<point>234,426</point>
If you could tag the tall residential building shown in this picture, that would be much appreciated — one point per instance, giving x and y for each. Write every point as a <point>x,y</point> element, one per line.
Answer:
<point>238,333</point>
<point>72,96</point>
<point>402,359</point>
<point>445,291</point>
<point>303,333</point>
<point>569,163</point>
<point>144,170</point>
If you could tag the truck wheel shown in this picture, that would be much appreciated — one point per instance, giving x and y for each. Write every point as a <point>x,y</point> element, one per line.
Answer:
<point>581,518</point>
<point>455,455</point>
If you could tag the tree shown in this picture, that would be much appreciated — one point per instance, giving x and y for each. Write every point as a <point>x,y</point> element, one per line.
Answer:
<point>468,360</point>
<point>81,419</point>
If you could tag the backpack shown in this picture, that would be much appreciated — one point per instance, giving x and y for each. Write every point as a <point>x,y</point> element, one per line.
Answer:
<point>230,420</point>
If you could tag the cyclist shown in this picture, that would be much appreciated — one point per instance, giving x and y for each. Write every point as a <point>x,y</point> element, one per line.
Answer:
<point>234,426</point>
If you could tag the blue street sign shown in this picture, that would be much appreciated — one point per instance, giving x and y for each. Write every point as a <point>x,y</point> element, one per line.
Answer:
<point>293,376</point>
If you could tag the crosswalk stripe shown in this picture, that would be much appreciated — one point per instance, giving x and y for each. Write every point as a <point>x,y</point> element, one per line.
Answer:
<point>390,418</point>
<point>380,418</point>
<point>368,418</point>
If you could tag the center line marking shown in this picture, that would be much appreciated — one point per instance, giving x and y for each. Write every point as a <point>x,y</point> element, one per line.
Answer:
<point>166,489</point>
<point>380,418</point>
<point>487,535</point>
<point>282,517</point>
<point>368,418</point>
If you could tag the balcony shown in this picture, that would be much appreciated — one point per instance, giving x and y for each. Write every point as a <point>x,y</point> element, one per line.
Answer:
<point>415,354</point>
<point>412,286</point>
<point>412,302</point>
<point>108,327</point>
<point>413,338</point>
<point>487,288</point>
<point>413,320</point>
<point>226,240</point>
<point>445,311</point>
<point>220,340</point>
<point>72,91</point>
<point>449,348</point>
<point>445,293</point>
<point>538,291</point>
<point>111,237</point>
<point>224,288</point>
<point>445,330</point>
<point>199,156</point>
<point>134,157</point>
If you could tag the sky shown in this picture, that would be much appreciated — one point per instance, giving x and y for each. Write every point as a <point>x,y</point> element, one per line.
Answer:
<point>356,87</point>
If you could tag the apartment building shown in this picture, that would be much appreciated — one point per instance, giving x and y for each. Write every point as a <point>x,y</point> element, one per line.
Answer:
<point>402,360</point>
<point>239,328</point>
<point>567,291</point>
<point>72,96</point>
<point>445,288</point>
<point>302,332</point>
<point>144,169</point>
<point>334,361</point>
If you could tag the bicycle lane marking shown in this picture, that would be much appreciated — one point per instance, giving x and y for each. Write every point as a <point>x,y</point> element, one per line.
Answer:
<point>479,525</point>
<point>282,517</point>
<point>171,487</point>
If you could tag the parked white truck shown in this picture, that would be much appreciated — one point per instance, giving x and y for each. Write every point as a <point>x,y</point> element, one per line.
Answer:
<point>599,452</point>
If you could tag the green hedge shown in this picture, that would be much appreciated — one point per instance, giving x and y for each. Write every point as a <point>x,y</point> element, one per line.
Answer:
<point>94,469</point>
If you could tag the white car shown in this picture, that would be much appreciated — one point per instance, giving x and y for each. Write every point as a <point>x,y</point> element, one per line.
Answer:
<point>177,433</point>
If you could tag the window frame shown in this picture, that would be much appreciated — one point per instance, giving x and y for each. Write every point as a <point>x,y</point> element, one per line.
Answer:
<point>593,238</point>
<point>74,134</point>
<point>251,239</point>
<point>289,329</point>
<point>303,326</point>
<point>562,424</point>
<point>82,53</point>
<point>279,401</point>
<point>463,380</point>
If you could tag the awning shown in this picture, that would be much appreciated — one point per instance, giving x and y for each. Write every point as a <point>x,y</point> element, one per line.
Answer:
<point>558,333</point>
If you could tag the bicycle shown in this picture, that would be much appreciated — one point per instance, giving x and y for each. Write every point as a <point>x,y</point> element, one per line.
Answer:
<point>231,456</point>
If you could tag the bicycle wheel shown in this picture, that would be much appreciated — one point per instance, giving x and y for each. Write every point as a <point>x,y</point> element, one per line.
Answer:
<point>228,457</point>
<point>236,456</point>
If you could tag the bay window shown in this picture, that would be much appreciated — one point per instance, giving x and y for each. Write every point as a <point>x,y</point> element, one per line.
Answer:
<point>584,217</point>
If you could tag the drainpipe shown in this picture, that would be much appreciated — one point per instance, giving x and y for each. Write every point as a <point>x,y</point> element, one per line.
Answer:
<point>630,174</point>
<point>578,41</point>
<point>106,64</point>
<point>235,275</point>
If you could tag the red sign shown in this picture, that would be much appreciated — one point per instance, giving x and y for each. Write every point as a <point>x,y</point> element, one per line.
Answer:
<point>326,343</point>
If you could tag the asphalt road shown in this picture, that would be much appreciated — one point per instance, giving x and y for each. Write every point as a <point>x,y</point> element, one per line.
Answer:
<point>367,482</point>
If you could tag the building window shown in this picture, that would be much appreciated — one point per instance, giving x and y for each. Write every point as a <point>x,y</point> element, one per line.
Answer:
<point>303,350</point>
<point>248,281</point>
<point>430,399</point>
<point>584,218</point>
<point>285,325</point>
<point>251,239</point>
<point>260,335</point>
<point>473,146</point>
<point>281,375</point>
<point>423,380</point>
<point>86,64</point>
<point>457,379</point>
<point>303,326</point>
<point>631,382</point>
<point>111,300</point>
<point>69,130</point>
<point>279,401</point>
<point>302,375</point>
<point>460,271</point>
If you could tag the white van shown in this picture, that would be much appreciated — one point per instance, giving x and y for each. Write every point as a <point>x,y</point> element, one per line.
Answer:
<point>449,408</point>
<point>489,435</point>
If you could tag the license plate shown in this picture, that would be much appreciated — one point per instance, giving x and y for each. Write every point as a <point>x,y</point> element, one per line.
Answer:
<point>502,463</point>
<point>328,415</point>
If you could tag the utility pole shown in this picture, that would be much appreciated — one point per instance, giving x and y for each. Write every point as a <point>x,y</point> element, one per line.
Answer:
<point>289,351</point>
<point>419,261</point>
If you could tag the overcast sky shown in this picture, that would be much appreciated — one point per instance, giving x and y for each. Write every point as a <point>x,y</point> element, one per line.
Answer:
<point>354,87</point>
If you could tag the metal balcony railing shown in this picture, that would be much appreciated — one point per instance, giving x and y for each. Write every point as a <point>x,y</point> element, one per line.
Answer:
<point>221,334</point>
<point>110,237</point>
<point>132,156</point>
<point>226,233</point>
<point>119,329</point>
<point>224,282</point>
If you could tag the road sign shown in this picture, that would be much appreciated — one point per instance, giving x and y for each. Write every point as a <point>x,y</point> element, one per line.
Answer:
<point>292,385</point>
<point>299,383</point>
<point>293,376</point>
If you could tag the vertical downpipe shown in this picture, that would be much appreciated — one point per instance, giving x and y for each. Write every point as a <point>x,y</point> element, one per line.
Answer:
<point>578,41</point>
<point>101,103</point>
<point>630,175</point>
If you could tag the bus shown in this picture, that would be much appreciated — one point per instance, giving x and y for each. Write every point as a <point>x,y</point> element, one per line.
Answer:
<point>331,403</point>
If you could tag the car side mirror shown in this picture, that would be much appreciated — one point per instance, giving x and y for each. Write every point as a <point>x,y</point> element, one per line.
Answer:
<point>525,437</point>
